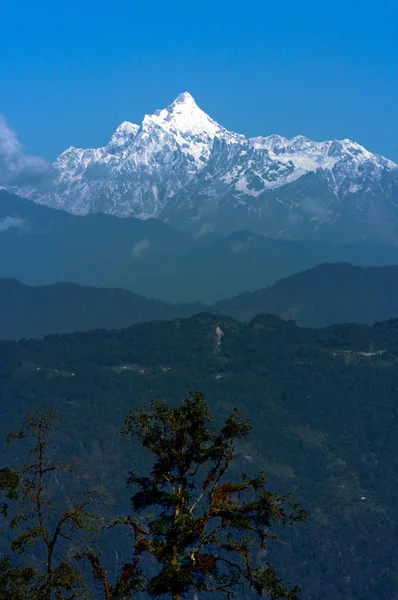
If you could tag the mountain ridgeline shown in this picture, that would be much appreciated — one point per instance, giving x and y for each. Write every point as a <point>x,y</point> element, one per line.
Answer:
<point>184,168</point>
<point>325,295</point>
<point>67,307</point>
<point>320,400</point>
<point>41,245</point>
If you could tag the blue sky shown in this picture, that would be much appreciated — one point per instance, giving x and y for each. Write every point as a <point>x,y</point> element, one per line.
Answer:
<point>70,72</point>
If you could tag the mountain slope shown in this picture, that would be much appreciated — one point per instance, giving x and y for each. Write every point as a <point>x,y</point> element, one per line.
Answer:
<point>324,425</point>
<point>30,312</point>
<point>325,295</point>
<point>40,245</point>
<point>182,166</point>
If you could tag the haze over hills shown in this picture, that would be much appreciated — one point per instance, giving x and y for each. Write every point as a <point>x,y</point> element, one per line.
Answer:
<point>181,166</point>
<point>40,245</point>
<point>33,312</point>
<point>325,295</point>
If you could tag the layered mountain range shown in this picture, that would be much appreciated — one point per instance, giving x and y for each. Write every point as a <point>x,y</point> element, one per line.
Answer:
<point>330,293</point>
<point>181,166</point>
<point>40,245</point>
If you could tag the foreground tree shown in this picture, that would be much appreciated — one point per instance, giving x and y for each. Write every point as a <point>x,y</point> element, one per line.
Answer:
<point>205,531</point>
<point>50,538</point>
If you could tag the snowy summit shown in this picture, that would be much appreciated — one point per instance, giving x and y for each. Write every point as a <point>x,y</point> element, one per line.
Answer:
<point>182,166</point>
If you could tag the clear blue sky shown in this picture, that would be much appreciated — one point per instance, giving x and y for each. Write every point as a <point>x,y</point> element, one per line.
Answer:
<point>71,71</point>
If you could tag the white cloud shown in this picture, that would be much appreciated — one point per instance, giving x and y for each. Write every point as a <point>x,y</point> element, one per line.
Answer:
<point>11,222</point>
<point>140,248</point>
<point>316,209</point>
<point>205,229</point>
<point>16,167</point>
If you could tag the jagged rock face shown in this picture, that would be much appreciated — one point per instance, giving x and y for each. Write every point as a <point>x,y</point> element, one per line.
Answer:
<point>183,167</point>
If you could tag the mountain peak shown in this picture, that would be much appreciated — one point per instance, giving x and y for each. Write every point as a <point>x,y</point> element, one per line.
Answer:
<point>184,98</point>
<point>124,133</point>
<point>185,117</point>
<point>183,104</point>
<point>182,166</point>
<point>127,127</point>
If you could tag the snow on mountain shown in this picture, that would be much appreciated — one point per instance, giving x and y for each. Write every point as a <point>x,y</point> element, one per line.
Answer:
<point>124,135</point>
<point>192,128</point>
<point>182,166</point>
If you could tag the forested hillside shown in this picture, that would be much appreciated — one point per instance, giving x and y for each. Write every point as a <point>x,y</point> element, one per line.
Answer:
<point>323,406</point>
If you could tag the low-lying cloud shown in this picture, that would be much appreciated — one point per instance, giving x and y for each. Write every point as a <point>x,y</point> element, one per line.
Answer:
<point>316,209</point>
<point>205,229</point>
<point>16,167</point>
<point>11,223</point>
<point>140,248</point>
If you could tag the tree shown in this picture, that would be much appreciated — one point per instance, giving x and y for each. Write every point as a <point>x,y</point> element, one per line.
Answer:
<point>16,583</point>
<point>51,537</point>
<point>205,531</point>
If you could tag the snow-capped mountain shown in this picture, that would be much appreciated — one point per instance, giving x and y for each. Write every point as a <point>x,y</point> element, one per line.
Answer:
<point>181,166</point>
